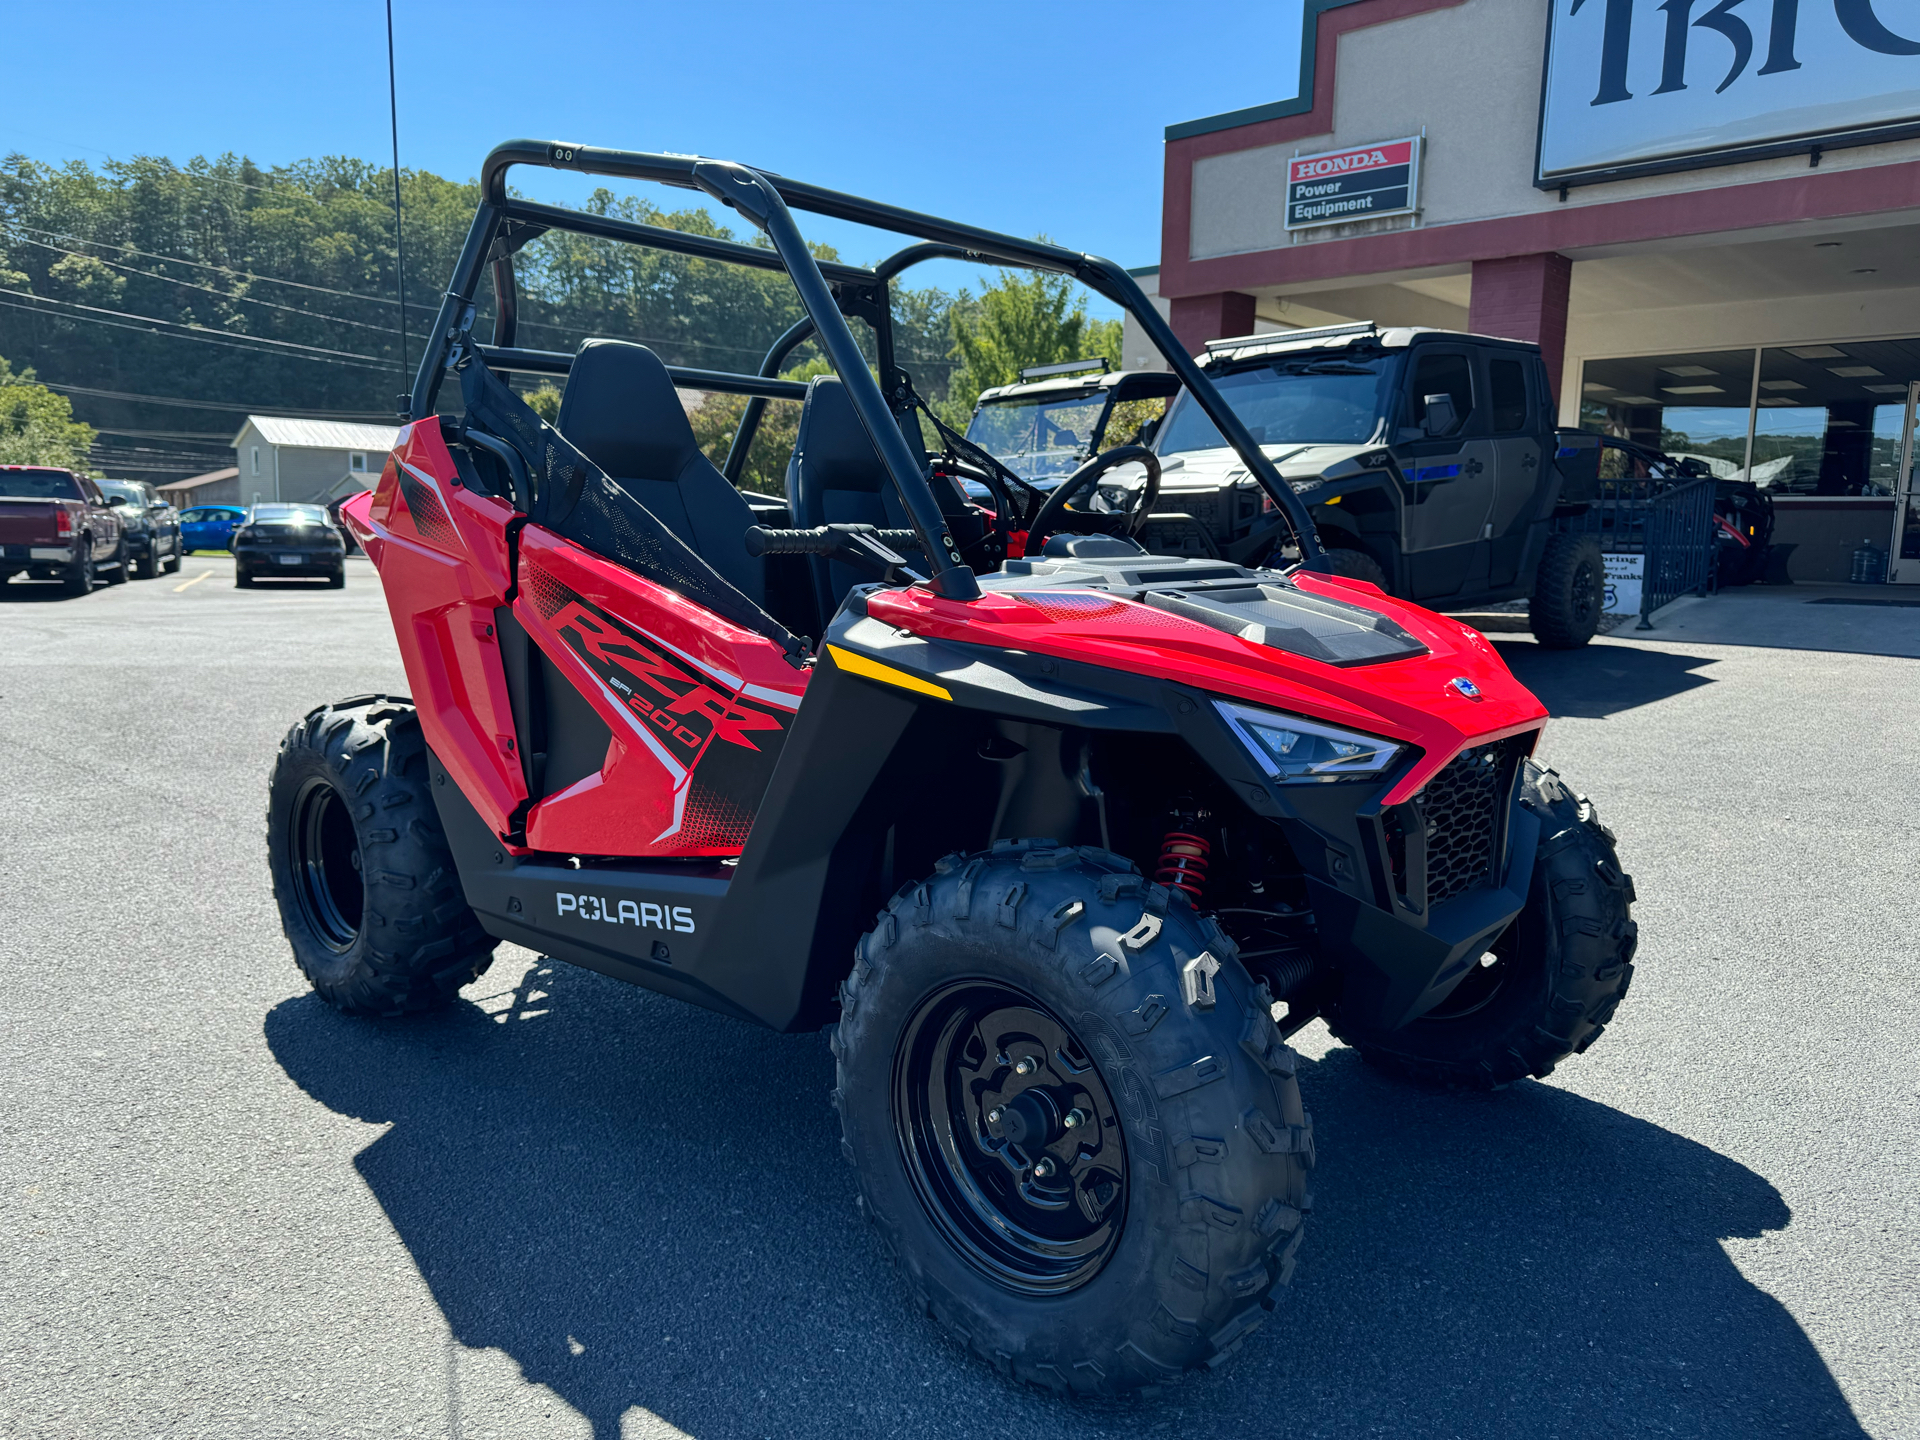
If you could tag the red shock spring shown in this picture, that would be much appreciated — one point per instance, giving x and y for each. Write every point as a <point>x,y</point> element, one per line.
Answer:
<point>1183,863</point>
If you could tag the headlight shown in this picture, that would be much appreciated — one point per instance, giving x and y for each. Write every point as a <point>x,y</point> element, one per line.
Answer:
<point>1293,750</point>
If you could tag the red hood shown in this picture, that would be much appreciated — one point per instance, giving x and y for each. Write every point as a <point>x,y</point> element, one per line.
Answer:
<point>1413,700</point>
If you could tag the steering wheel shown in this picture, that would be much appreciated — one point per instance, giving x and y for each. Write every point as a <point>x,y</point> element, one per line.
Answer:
<point>1055,514</point>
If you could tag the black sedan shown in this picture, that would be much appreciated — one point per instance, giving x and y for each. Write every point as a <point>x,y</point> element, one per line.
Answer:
<point>288,540</point>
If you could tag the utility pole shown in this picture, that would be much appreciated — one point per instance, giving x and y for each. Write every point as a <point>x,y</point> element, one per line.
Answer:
<point>400,246</point>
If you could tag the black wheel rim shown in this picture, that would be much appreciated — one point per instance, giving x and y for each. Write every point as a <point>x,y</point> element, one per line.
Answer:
<point>1587,595</point>
<point>1010,1136</point>
<point>325,854</point>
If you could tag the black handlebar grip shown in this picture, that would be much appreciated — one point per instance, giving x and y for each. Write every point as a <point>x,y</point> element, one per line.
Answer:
<point>767,540</point>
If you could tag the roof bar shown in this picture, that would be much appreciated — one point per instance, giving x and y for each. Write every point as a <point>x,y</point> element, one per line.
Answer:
<point>633,232</point>
<point>726,382</point>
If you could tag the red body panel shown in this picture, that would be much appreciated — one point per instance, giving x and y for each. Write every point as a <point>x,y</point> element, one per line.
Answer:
<point>698,708</point>
<point>1407,700</point>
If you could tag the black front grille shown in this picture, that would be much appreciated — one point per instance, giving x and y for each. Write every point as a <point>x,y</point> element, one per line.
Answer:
<point>1462,810</point>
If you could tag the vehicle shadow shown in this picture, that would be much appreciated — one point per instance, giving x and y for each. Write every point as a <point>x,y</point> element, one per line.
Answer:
<point>1598,681</point>
<point>19,591</point>
<point>645,1205</point>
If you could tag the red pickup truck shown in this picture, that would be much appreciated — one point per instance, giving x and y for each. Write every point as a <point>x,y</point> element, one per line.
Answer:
<point>56,525</point>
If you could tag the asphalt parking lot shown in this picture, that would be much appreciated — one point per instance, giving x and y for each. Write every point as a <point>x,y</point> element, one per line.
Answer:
<point>572,1208</point>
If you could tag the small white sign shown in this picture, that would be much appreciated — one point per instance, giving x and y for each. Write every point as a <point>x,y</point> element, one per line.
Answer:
<point>1623,593</point>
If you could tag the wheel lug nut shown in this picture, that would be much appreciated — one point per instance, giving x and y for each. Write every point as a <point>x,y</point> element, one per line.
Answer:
<point>1026,1066</point>
<point>994,1115</point>
<point>1044,1166</point>
<point>1075,1117</point>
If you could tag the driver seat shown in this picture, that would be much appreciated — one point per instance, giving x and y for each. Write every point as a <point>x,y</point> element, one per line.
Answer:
<point>836,478</point>
<point>621,411</point>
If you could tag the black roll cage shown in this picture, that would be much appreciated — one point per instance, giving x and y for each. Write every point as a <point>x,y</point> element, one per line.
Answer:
<point>829,292</point>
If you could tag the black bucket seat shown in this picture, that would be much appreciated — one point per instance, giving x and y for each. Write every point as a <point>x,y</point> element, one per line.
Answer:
<point>621,411</point>
<point>836,478</point>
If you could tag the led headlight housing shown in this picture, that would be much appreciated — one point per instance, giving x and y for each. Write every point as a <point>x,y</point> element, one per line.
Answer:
<point>1295,751</point>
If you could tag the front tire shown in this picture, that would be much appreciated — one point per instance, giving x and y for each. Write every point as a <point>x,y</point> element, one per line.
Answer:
<point>1357,565</point>
<point>368,894</point>
<point>1558,973</point>
<point>1565,610</point>
<point>120,568</point>
<point>1097,1256</point>
<point>148,566</point>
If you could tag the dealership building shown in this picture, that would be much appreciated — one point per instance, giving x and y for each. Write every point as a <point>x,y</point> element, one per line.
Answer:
<point>1705,215</point>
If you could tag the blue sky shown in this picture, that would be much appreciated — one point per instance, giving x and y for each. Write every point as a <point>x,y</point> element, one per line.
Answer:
<point>1028,118</point>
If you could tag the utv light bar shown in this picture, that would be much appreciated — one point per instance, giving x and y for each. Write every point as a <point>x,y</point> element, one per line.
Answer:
<point>1319,332</point>
<point>1066,367</point>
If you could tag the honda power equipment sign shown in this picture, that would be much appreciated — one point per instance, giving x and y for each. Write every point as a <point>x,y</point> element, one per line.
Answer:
<point>1634,87</point>
<point>1364,183</point>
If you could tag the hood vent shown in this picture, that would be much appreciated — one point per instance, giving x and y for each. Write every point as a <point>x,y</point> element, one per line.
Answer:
<point>1291,620</point>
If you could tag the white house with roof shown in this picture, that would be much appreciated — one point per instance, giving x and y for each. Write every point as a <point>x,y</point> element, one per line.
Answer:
<point>290,459</point>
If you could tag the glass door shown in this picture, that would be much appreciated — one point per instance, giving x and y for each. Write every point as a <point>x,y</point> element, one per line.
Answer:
<point>1904,546</point>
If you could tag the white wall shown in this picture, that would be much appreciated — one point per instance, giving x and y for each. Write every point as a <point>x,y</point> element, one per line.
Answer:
<point>1471,75</point>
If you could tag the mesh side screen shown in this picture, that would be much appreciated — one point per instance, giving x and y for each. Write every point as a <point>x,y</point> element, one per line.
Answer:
<point>573,497</point>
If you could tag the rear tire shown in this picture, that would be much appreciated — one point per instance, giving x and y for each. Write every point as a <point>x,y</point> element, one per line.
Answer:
<point>242,580</point>
<point>337,582</point>
<point>1182,1191</point>
<point>1565,609</point>
<point>1357,565</point>
<point>78,576</point>
<point>368,893</point>
<point>174,559</point>
<point>1559,972</point>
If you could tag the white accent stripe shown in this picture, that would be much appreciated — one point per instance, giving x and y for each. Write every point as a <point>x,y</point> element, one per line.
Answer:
<point>432,485</point>
<point>780,698</point>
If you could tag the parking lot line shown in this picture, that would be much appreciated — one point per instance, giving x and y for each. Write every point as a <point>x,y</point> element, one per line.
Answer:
<point>195,581</point>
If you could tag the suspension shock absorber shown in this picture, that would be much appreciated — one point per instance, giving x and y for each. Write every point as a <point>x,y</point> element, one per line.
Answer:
<point>1184,858</point>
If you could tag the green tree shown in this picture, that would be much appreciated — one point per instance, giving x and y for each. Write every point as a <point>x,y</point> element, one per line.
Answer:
<point>37,425</point>
<point>1024,319</point>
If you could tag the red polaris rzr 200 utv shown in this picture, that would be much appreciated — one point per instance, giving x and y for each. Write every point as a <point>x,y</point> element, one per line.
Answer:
<point>1058,839</point>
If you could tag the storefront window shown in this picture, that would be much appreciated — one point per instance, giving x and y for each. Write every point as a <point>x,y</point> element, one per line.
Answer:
<point>1692,405</point>
<point>1826,419</point>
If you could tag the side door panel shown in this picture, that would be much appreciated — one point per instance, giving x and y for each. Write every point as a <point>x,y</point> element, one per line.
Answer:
<point>1450,478</point>
<point>693,712</point>
<point>1515,413</point>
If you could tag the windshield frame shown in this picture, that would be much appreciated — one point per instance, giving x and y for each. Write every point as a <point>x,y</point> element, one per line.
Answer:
<point>1101,400</point>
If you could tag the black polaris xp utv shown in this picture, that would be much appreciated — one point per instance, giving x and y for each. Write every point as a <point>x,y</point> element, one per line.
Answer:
<point>1056,838</point>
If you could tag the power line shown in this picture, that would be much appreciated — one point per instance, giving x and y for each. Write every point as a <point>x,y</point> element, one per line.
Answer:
<point>206,265</point>
<point>210,290</point>
<point>320,356</point>
<point>238,407</point>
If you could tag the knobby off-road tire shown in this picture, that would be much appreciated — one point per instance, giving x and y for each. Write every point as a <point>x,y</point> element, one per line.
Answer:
<point>1357,565</point>
<point>1559,971</point>
<point>368,894</point>
<point>1565,609</point>
<point>1197,1184</point>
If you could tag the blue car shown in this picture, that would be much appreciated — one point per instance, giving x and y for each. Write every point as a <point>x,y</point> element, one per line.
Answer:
<point>209,527</point>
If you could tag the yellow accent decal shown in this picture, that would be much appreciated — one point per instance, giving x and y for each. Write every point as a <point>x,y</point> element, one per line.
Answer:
<point>886,674</point>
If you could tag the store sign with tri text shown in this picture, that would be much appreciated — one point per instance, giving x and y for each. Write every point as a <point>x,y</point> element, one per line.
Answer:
<point>1364,182</point>
<point>1636,87</point>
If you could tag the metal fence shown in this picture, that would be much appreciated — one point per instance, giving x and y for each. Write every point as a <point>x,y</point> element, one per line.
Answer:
<point>1671,523</point>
